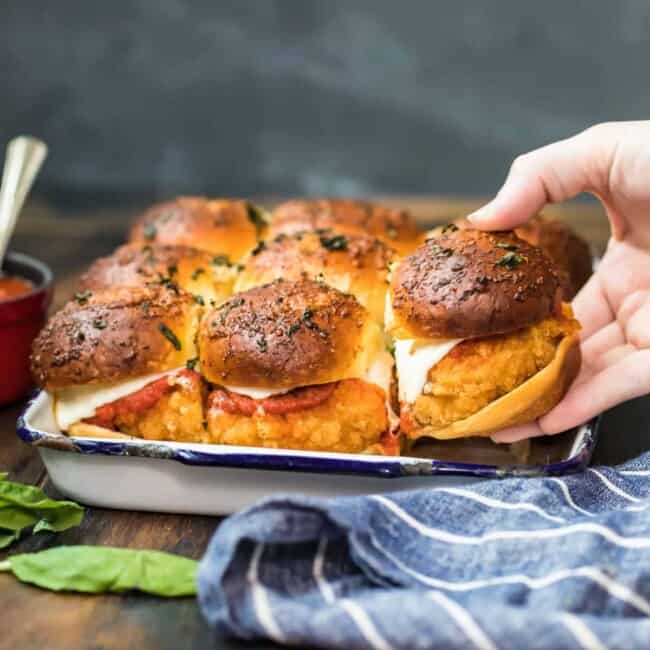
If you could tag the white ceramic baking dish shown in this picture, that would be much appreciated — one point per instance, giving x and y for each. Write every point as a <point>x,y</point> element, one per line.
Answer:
<point>219,479</point>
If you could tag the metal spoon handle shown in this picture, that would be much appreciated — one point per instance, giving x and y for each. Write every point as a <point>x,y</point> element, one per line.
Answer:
<point>24,158</point>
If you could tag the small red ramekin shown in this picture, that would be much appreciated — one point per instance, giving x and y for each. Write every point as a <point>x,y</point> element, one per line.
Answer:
<point>21,318</point>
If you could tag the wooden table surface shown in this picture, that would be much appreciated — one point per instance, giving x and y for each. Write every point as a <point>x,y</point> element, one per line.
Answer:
<point>37,619</point>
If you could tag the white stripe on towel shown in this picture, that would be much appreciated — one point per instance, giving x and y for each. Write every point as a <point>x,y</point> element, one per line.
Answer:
<point>365,625</point>
<point>356,613</point>
<point>569,499</point>
<point>613,588</point>
<point>504,505</point>
<point>464,620</point>
<point>583,635</point>
<point>323,586</point>
<point>612,487</point>
<point>635,472</point>
<point>546,533</point>
<point>260,599</point>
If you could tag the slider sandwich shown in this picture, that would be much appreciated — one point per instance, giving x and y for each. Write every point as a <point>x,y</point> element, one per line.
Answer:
<point>297,365</point>
<point>226,227</point>
<point>210,279</point>
<point>123,362</point>
<point>393,226</point>
<point>482,339</point>
<point>353,263</point>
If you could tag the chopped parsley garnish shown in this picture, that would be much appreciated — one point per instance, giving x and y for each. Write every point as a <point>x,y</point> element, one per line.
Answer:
<point>334,243</point>
<point>190,364</point>
<point>198,298</point>
<point>172,270</point>
<point>170,336</point>
<point>506,245</point>
<point>149,257</point>
<point>449,227</point>
<point>256,216</point>
<point>261,245</point>
<point>292,329</point>
<point>82,296</point>
<point>390,348</point>
<point>226,307</point>
<point>145,306</point>
<point>438,250</point>
<point>99,324</point>
<point>166,281</point>
<point>307,316</point>
<point>197,273</point>
<point>221,260</point>
<point>261,344</point>
<point>149,231</point>
<point>511,260</point>
<point>391,232</point>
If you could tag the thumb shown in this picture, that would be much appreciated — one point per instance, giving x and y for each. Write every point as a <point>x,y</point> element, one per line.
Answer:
<point>554,173</point>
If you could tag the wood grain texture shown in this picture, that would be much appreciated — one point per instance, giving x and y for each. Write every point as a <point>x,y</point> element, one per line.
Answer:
<point>35,619</point>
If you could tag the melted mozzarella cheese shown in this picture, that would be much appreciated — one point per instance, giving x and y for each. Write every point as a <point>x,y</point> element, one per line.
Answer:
<point>388,312</point>
<point>414,358</point>
<point>75,404</point>
<point>379,372</point>
<point>256,393</point>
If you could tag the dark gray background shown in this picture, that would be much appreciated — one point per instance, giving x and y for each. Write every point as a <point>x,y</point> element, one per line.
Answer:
<point>157,97</point>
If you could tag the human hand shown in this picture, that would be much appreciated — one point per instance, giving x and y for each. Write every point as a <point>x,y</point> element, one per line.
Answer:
<point>611,161</point>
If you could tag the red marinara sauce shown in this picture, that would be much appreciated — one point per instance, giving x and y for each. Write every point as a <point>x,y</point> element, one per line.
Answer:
<point>140,401</point>
<point>297,399</point>
<point>13,286</point>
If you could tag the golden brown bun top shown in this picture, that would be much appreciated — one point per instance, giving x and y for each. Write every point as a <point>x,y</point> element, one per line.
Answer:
<point>569,253</point>
<point>395,227</point>
<point>286,334</point>
<point>220,226</point>
<point>352,263</point>
<point>144,265</point>
<point>467,283</point>
<point>115,335</point>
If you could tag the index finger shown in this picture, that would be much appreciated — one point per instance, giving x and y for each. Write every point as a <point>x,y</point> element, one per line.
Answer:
<point>551,174</point>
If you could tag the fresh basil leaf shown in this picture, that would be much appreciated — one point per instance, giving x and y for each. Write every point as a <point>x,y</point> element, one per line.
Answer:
<point>8,537</point>
<point>13,518</point>
<point>49,514</point>
<point>101,569</point>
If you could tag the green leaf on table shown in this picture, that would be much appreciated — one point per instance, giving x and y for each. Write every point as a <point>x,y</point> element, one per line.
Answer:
<point>102,569</point>
<point>8,537</point>
<point>14,518</point>
<point>26,506</point>
<point>46,513</point>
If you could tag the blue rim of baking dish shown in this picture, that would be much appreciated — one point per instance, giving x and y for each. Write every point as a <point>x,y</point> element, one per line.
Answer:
<point>316,462</point>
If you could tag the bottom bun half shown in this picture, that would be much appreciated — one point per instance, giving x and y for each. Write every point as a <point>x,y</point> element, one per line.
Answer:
<point>529,401</point>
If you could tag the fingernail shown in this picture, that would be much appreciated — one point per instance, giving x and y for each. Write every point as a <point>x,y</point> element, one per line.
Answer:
<point>478,215</point>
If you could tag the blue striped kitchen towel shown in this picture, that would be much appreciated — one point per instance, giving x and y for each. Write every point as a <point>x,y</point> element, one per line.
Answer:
<point>517,563</point>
